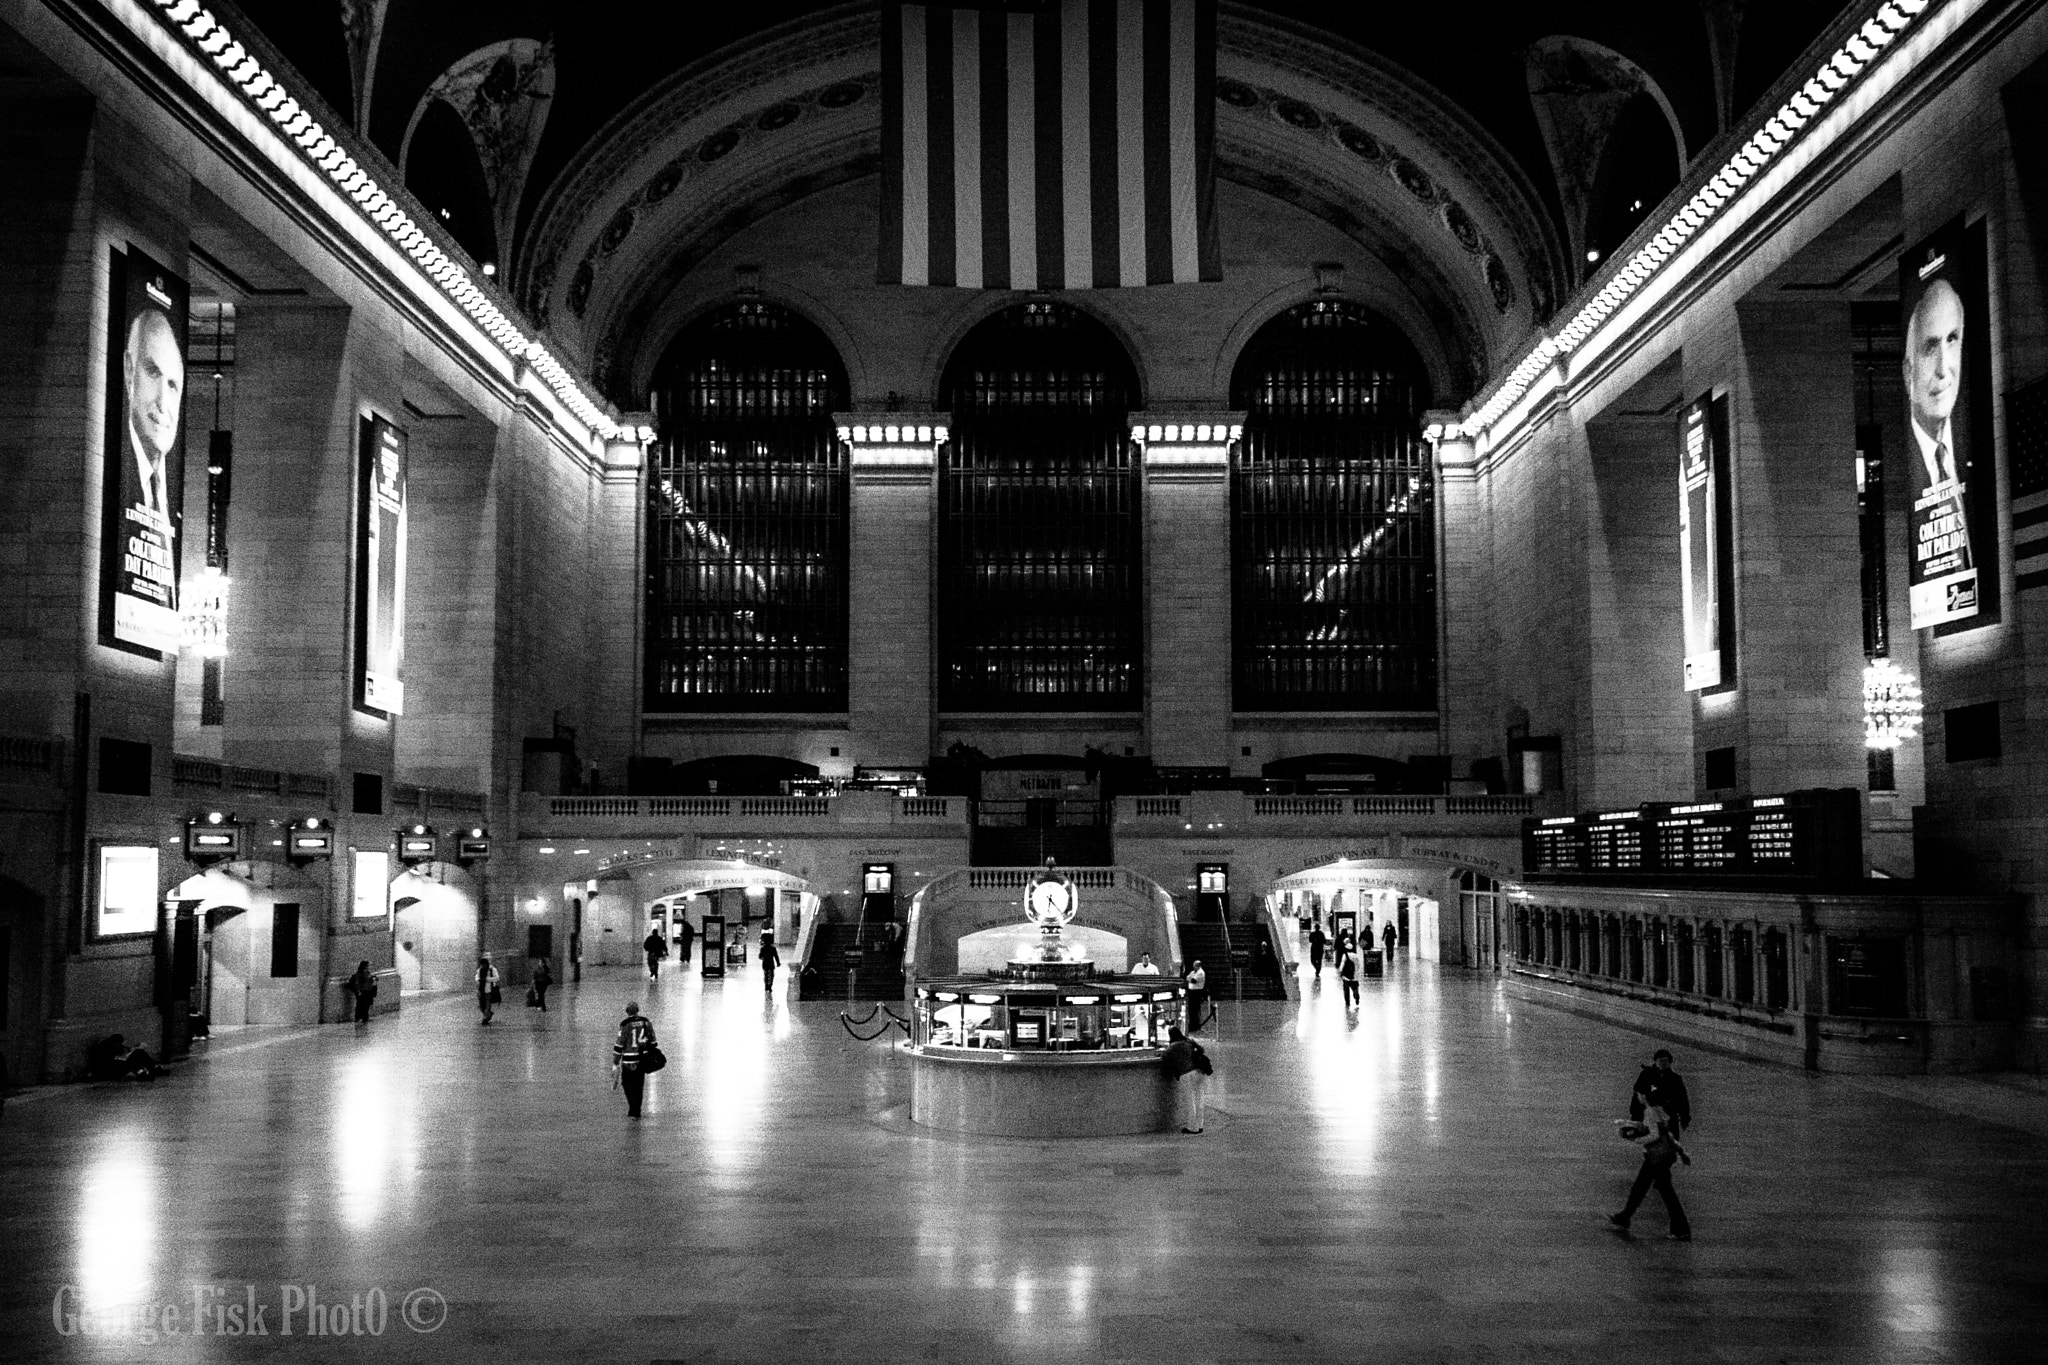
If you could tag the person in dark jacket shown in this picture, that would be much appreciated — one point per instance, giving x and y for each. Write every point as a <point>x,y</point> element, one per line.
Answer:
<point>1390,936</point>
<point>487,994</point>
<point>770,960</point>
<point>684,935</point>
<point>636,1035</point>
<point>543,977</point>
<point>1318,942</point>
<point>656,948</point>
<point>1347,975</point>
<point>1658,1086</point>
<point>1188,1064</point>
<point>362,987</point>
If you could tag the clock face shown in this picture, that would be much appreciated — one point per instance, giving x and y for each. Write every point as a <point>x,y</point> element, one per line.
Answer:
<point>1050,898</point>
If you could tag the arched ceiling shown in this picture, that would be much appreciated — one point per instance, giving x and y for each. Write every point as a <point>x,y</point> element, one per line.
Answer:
<point>1443,91</point>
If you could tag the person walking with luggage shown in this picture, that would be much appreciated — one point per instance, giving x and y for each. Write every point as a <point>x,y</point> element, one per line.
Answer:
<point>1188,1063</point>
<point>1318,944</point>
<point>1198,995</point>
<point>1658,1132</point>
<point>543,977</point>
<point>487,995</point>
<point>1347,976</point>
<point>656,949</point>
<point>362,987</point>
<point>770,960</point>
<point>631,1051</point>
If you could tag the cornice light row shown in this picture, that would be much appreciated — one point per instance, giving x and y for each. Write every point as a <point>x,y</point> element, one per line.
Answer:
<point>1781,130</point>
<point>267,96</point>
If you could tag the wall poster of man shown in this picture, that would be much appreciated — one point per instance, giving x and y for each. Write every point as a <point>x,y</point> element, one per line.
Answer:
<point>1706,545</point>
<point>380,569</point>
<point>1953,466</point>
<point>145,455</point>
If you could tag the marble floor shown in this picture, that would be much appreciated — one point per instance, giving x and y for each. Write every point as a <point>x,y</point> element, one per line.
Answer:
<point>1427,1181</point>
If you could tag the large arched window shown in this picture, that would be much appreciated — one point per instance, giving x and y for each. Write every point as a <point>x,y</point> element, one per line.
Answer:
<point>746,519</point>
<point>1038,524</point>
<point>1333,554</point>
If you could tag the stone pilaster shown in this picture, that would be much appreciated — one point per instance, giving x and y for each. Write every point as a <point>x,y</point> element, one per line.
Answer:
<point>891,506</point>
<point>1187,584</point>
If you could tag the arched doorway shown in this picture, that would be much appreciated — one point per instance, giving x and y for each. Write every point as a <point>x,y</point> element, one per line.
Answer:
<point>260,942</point>
<point>629,901</point>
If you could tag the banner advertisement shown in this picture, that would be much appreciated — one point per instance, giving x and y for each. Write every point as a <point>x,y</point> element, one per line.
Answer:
<point>1952,530</point>
<point>1705,542</point>
<point>380,569</point>
<point>145,456</point>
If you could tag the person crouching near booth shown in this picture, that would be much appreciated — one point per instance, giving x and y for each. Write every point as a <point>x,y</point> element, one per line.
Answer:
<point>1188,1064</point>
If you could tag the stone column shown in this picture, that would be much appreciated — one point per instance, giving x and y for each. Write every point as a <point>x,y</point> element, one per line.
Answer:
<point>1187,584</point>
<point>891,506</point>
<point>619,613</point>
<point>1466,720</point>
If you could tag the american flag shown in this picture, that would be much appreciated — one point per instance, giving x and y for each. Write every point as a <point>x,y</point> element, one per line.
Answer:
<point>1067,144</point>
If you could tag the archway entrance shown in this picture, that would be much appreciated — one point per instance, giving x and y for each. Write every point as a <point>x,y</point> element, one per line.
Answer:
<point>1365,900</point>
<point>661,896</point>
<point>259,944</point>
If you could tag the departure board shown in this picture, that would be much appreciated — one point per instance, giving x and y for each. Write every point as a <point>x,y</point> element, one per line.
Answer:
<point>1806,834</point>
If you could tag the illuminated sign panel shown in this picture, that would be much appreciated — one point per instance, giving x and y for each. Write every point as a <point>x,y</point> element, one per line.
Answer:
<point>1808,834</point>
<point>1950,458</point>
<point>127,895</point>
<point>1706,544</point>
<point>380,569</point>
<point>145,457</point>
<point>372,871</point>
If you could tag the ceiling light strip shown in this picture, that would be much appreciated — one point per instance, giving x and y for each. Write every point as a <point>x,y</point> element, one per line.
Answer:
<point>264,94</point>
<point>1857,54</point>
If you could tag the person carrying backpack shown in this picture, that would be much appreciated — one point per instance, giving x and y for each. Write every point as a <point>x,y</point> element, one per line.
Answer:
<point>1187,1062</point>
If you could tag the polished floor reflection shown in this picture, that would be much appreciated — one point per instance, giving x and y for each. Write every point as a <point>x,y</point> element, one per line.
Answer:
<point>1424,1181</point>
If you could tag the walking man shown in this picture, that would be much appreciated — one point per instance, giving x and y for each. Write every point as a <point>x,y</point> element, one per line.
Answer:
<point>1347,975</point>
<point>629,1052</point>
<point>770,960</point>
<point>1658,1086</point>
<point>656,949</point>
<point>543,977</point>
<point>1661,1151</point>
<point>1318,941</point>
<point>1390,936</point>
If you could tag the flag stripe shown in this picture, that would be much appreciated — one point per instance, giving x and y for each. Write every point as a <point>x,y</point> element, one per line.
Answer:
<point>892,136</point>
<point>1067,144</point>
<point>1159,123</point>
<point>1210,264</point>
<point>1104,190</point>
<point>1182,210</point>
<point>1074,149</point>
<point>939,130</point>
<point>1022,224</point>
<point>967,148</point>
<point>995,150</point>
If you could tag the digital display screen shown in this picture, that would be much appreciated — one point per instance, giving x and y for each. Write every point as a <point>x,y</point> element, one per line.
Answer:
<point>127,898</point>
<point>372,883</point>
<point>145,456</point>
<point>1804,834</point>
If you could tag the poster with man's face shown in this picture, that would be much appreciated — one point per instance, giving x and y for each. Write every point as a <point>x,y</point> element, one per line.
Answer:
<point>145,472</point>
<point>380,569</point>
<point>1948,456</point>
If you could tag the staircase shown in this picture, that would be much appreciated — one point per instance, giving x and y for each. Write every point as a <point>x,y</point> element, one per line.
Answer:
<point>1212,940</point>
<point>877,971</point>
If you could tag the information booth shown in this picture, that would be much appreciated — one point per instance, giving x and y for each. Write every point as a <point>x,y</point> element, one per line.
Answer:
<point>1099,1015</point>
<point>713,946</point>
